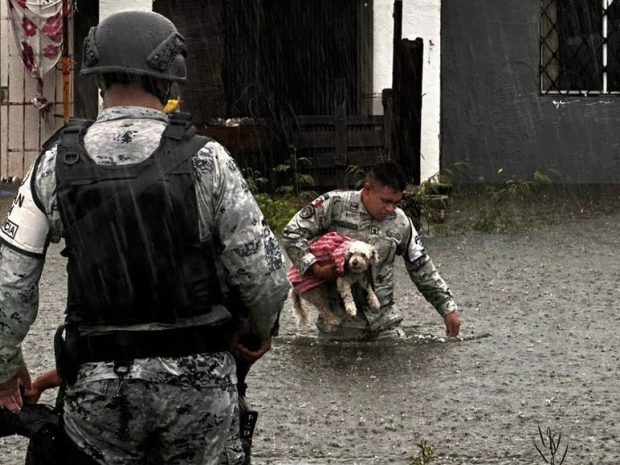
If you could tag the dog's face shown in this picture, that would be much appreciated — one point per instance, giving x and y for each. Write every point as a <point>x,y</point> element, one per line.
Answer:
<point>360,255</point>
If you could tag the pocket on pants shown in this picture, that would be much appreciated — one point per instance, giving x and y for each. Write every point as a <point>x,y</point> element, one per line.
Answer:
<point>95,390</point>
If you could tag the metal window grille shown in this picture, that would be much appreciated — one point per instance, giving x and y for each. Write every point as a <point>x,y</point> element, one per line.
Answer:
<point>580,47</point>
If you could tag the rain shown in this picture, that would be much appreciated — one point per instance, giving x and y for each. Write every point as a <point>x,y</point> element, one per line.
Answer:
<point>510,103</point>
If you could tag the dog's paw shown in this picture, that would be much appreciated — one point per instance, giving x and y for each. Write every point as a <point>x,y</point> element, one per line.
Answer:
<point>351,309</point>
<point>374,303</point>
<point>331,324</point>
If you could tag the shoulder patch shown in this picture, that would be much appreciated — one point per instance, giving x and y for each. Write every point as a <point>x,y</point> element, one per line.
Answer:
<point>318,202</point>
<point>307,212</point>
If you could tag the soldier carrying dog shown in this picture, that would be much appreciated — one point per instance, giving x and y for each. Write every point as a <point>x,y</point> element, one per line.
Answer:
<point>370,215</point>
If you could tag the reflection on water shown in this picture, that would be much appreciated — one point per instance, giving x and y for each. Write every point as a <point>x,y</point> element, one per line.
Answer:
<point>343,365</point>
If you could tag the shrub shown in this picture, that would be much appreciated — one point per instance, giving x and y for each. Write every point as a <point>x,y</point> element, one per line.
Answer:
<point>277,210</point>
<point>495,216</point>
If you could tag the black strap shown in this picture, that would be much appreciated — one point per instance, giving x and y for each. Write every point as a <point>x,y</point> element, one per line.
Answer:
<point>179,126</point>
<point>72,140</point>
<point>129,345</point>
<point>72,123</point>
<point>179,143</point>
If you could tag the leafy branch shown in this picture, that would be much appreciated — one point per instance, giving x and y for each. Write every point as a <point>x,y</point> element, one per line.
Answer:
<point>296,180</point>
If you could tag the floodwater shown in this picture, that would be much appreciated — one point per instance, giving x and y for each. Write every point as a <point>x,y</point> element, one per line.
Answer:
<point>540,347</point>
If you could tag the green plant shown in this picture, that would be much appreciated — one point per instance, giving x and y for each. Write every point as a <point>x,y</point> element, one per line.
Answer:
<point>553,445</point>
<point>253,179</point>
<point>429,200</point>
<point>426,454</point>
<point>277,210</point>
<point>495,217</point>
<point>296,180</point>
<point>354,175</point>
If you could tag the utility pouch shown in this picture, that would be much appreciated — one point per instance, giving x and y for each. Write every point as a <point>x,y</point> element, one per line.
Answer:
<point>43,425</point>
<point>65,351</point>
<point>47,444</point>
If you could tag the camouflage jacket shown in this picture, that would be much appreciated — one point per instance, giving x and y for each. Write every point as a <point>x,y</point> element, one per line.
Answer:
<point>343,212</point>
<point>251,256</point>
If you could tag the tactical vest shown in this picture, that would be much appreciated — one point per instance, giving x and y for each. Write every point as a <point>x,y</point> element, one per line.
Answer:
<point>131,232</point>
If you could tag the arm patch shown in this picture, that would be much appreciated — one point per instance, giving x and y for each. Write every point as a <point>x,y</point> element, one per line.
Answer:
<point>26,227</point>
<point>307,212</point>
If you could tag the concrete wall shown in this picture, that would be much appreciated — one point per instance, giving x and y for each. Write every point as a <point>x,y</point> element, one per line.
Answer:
<point>421,18</point>
<point>22,130</point>
<point>493,115</point>
<point>107,7</point>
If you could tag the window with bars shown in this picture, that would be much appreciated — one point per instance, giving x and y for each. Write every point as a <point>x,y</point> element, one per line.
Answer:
<point>580,47</point>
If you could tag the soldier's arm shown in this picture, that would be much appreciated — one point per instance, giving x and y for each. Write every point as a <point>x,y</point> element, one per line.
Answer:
<point>23,243</point>
<point>248,249</point>
<point>424,274</point>
<point>310,222</point>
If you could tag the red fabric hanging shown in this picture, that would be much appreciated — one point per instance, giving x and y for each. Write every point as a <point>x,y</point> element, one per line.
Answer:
<point>37,28</point>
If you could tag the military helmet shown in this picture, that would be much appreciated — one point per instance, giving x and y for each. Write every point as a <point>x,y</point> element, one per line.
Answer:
<point>135,42</point>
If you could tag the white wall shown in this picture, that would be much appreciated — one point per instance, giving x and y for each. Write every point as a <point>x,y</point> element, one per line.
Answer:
<point>421,18</point>
<point>107,7</point>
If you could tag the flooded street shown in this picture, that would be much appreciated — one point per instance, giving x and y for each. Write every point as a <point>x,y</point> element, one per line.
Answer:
<point>539,347</point>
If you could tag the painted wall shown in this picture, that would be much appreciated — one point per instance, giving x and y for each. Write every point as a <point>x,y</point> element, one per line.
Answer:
<point>493,115</point>
<point>421,18</point>
<point>22,129</point>
<point>107,7</point>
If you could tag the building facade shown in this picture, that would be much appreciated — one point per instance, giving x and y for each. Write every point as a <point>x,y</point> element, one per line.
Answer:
<point>23,129</point>
<point>531,85</point>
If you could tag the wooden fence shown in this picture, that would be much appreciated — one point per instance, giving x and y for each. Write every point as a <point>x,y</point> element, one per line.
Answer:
<point>333,143</point>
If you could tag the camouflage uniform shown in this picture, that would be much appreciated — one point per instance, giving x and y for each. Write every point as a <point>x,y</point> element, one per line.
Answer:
<point>191,402</point>
<point>343,212</point>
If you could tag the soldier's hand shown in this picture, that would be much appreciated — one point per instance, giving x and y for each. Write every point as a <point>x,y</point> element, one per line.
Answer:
<point>453,324</point>
<point>251,355</point>
<point>247,346</point>
<point>10,397</point>
<point>47,380</point>
<point>327,272</point>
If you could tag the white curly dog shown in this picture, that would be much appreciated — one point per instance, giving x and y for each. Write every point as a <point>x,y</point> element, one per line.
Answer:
<point>358,258</point>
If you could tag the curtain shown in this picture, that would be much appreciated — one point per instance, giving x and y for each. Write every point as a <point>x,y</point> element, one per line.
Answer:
<point>37,27</point>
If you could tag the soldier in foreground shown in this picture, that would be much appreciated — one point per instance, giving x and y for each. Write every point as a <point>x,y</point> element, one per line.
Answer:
<point>148,211</point>
<point>371,215</point>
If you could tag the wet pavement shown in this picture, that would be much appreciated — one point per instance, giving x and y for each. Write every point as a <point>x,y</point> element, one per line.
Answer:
<point>540,348</point>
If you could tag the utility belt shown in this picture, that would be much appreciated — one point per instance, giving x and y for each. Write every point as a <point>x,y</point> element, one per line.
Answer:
<point>74,349</point>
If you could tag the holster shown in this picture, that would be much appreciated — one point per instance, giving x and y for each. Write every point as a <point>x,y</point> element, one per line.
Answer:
<point>66,354</point>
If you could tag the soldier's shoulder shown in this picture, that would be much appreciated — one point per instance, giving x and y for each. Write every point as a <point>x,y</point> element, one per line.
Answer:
<point>341,193</point>
<point>335,195</point>
<point>45,164</point>
<point>401,220</point>
<point>212,154</point>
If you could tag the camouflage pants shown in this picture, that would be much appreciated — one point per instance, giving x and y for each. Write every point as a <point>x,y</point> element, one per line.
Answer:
<point>121,426</point>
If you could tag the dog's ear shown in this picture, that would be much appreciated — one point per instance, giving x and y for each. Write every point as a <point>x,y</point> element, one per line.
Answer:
<point>350,250</point>
<point>348,253</point>
<point>374,256</point>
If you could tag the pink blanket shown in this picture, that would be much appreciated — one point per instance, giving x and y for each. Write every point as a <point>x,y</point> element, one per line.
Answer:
<point>330,248</point>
